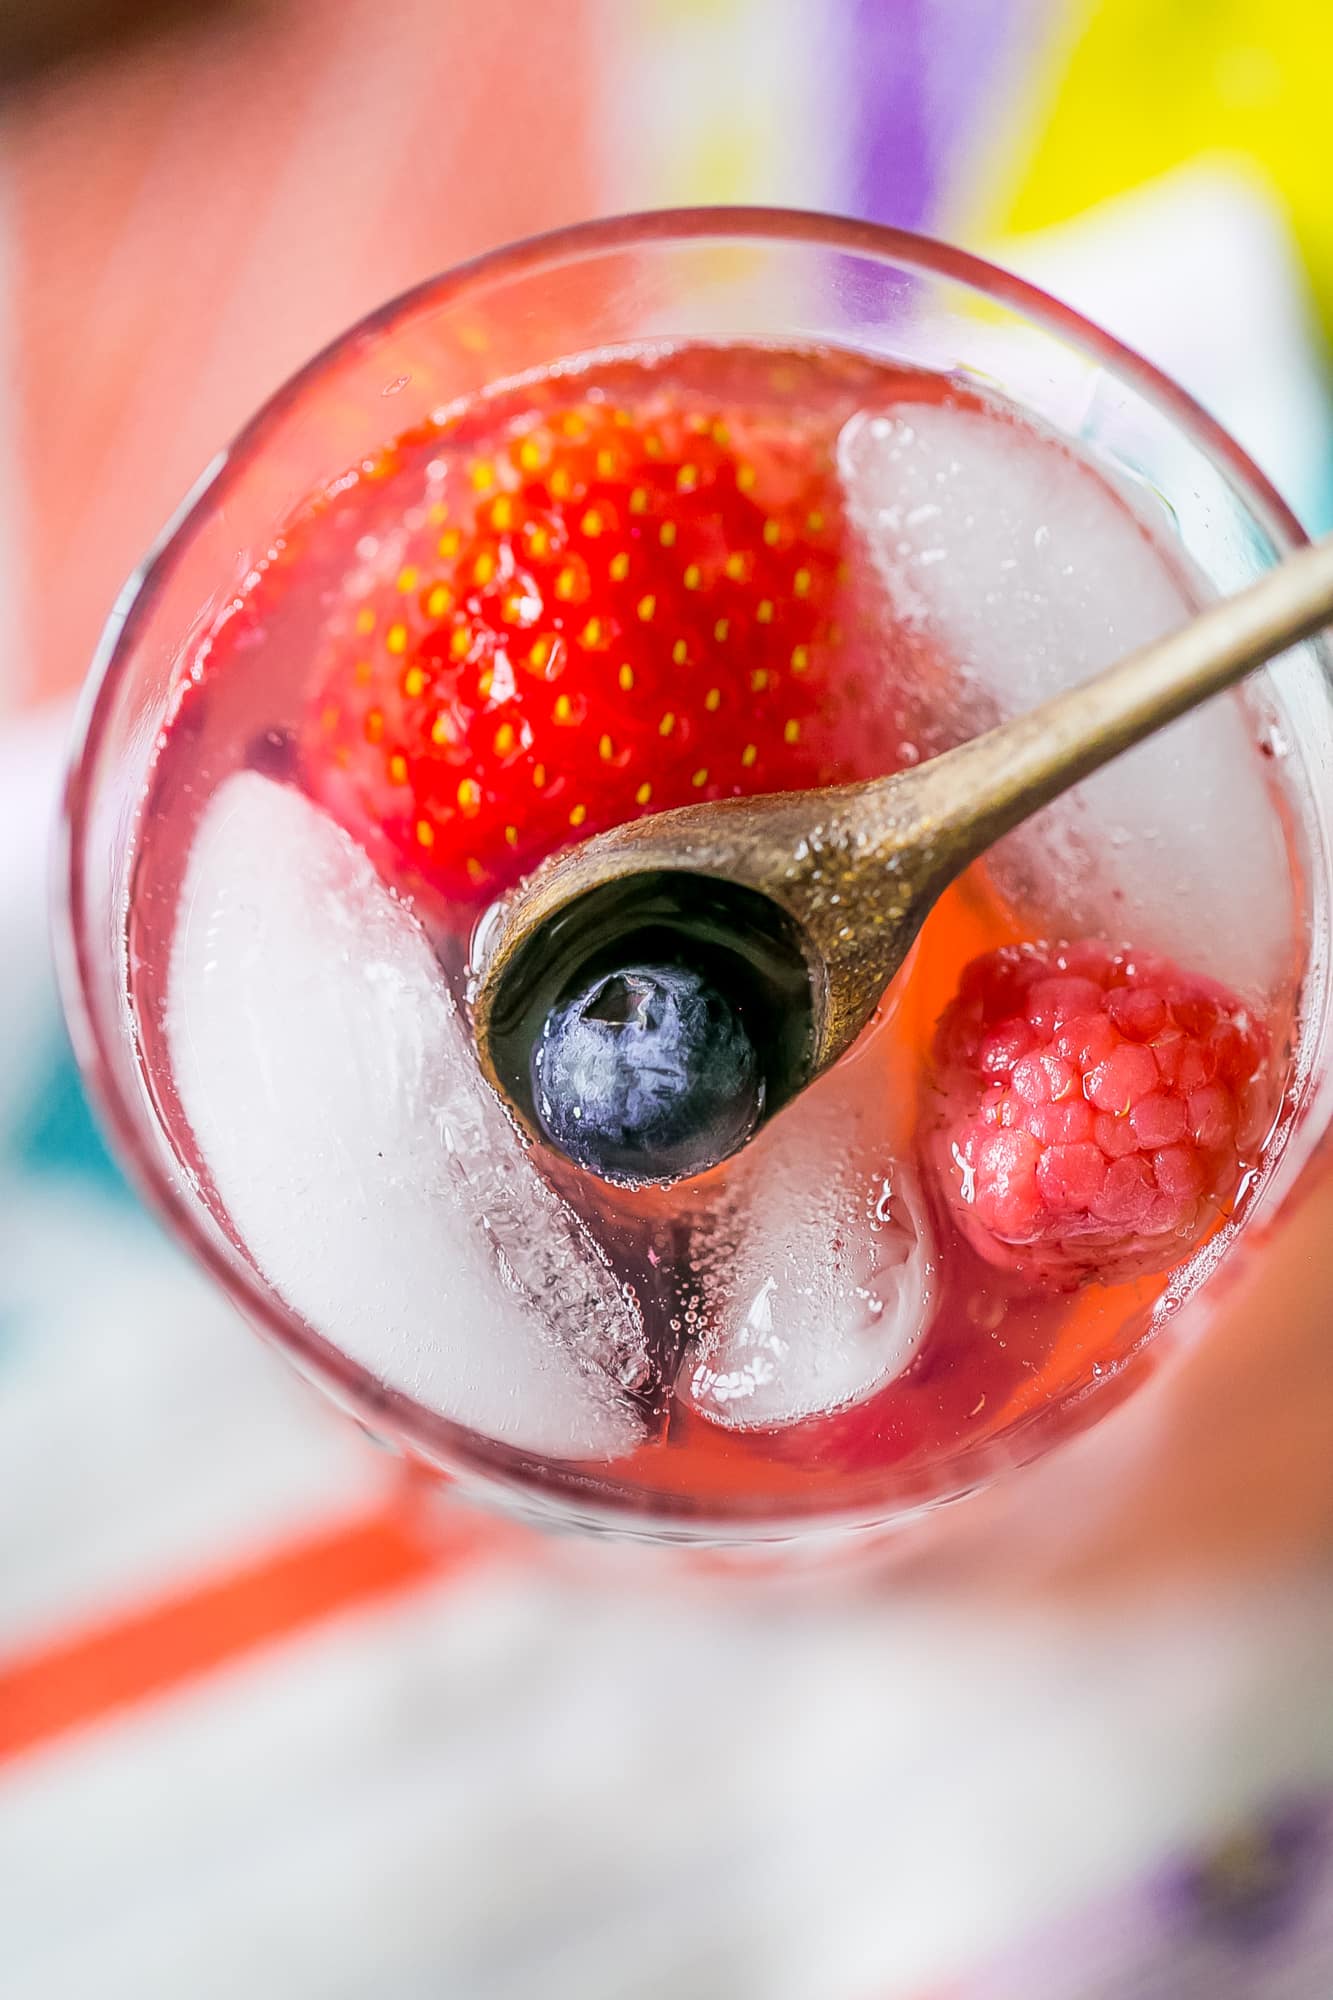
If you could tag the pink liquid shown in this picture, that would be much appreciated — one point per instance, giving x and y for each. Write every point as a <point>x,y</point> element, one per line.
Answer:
<point>1006,1363</point>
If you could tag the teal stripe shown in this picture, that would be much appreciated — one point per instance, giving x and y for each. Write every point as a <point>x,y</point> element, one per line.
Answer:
<point>57,1134</point>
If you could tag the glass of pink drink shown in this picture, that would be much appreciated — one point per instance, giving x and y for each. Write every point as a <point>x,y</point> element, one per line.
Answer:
<point>649,512</point>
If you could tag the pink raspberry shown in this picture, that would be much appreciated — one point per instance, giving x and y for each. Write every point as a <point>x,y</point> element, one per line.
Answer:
<point>1098,1108</point>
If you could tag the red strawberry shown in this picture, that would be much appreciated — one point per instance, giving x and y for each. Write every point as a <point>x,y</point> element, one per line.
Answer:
<point>628,610</point>
<point>1098,1107</point>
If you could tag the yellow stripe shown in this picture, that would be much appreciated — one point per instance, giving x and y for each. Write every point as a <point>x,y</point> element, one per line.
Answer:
<point>1143,85</point>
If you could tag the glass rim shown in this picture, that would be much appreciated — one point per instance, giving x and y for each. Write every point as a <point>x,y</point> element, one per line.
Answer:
<point>651,1517</point>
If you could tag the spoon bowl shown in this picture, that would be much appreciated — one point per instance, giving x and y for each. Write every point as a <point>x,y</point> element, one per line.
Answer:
<point>656,902</point>
<point>802,906</point>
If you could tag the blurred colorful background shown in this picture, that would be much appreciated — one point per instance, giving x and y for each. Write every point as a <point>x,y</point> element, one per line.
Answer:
<point>271,1721</point>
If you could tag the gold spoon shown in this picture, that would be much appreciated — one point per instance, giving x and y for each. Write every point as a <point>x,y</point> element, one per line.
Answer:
<point>810,901</point>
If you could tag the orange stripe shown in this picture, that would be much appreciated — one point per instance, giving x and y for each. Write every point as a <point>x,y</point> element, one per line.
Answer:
<point>110,1667</point>
<point>190,219</point>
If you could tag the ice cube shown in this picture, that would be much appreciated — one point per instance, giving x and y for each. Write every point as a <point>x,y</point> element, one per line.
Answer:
<point>376,1183</point>
<point>813,1272</point>
<point>1015,570</point>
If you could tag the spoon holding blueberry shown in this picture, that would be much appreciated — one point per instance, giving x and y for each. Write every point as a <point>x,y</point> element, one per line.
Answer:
<point>647,1000</point>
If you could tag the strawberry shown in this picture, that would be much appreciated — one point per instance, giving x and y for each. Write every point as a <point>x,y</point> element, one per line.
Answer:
<point>1098,1108</point>
<point>629,608</point>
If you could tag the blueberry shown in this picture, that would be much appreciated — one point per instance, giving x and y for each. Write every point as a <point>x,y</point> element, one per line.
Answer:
<point>648,1073</point>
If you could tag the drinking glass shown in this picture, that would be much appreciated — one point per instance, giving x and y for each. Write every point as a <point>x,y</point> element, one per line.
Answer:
<point>720,275</point>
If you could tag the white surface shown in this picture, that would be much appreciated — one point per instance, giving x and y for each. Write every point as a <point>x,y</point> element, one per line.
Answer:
<point>31,762</point>
<point>609,1790</point>
<point>332,1090</point>
<point>1197,271</point>
<point>145,1434</point>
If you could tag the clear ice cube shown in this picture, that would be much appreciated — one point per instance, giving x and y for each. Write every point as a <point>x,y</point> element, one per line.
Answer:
<point>1012,569</point>
<point>813,1269</point>
<point>333,1093</point>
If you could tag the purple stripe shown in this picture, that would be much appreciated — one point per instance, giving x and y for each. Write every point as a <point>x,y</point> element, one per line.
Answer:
<point>892,153</point>
<point>921,74</point>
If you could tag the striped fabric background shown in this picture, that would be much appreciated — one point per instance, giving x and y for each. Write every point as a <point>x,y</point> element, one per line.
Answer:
<point>272,1719</point>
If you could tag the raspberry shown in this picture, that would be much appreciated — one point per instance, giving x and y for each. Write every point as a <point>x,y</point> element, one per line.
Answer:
<point>1097,1108</point>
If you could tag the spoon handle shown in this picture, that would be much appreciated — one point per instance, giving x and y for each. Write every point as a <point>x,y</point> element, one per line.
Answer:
<point>983,788</point>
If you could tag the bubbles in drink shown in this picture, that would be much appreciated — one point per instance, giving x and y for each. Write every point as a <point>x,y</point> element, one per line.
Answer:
<point>1018,571</point>
<point>330,1084</point>
<point>816,1262</point>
